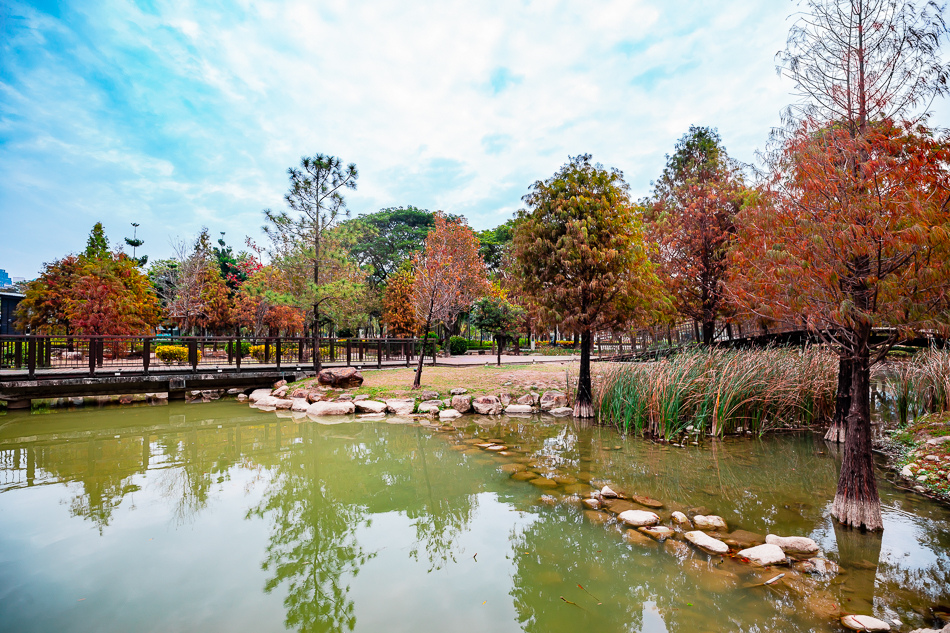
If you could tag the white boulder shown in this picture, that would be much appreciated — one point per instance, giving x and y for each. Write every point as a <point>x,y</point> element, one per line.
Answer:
<point>706,543</point>
<point>798,545</point>
<point>257,394</point>
<point>370,406</point>
<point>639,518</point>
<point>519,409</point>
<point>680,519</point>
<point>300,404</point>
<point>449,414</point>
<point>400,407</point>
<point>766,554</point>
<point>709,522</point>
<point>561,411</point>
<point>487,405</point>
<point>864,623</point>
<point>330,408</point>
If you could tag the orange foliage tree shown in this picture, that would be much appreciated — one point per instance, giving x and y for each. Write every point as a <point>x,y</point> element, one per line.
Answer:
<point>399,313</point>
<point>449,276</point>
<point>851,237</point>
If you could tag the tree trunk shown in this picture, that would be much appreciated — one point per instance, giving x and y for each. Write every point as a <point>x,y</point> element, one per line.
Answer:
<point>417,380</point>
<point>584,402</point>
<point>709,332</point>
<point>317,365</point>
<point>500,344</point>
<point>857,503</point>
<point>842,401</point>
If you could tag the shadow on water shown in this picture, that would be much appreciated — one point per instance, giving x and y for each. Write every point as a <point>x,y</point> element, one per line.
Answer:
<point>362,524</point>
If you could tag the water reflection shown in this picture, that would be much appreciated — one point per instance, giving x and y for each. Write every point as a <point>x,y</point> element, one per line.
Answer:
<point>325,504</point>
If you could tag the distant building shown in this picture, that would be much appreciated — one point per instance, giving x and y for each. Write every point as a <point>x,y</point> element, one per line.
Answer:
<point>5,280</point>
<point>8,303</point>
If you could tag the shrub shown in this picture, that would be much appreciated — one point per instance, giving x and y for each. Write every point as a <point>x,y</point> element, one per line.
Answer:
<point>257,351</point>
<point>458,345</point>
<point>169,354</point>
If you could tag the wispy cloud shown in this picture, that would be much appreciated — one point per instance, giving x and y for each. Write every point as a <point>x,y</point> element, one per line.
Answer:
<point>182,114</point>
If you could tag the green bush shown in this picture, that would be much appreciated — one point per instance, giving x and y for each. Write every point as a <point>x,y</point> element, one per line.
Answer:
<point>458,345</point>
<point>169,354</point>
<point>245,348</point>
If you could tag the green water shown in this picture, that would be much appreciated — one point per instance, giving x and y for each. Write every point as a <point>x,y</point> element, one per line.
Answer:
<point>217,517</point>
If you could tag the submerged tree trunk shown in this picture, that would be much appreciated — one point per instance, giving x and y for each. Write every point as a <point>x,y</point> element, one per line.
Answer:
<point>857,503</point>
<point>584,402</point>
<point>842,401</point>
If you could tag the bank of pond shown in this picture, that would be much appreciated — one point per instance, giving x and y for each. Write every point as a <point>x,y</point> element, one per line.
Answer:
<point>225,517</point>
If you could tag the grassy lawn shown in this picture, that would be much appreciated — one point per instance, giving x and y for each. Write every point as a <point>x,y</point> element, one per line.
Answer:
<point>380,384</point>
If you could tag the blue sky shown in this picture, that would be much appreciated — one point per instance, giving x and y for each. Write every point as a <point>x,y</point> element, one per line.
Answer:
<point>178,114</point>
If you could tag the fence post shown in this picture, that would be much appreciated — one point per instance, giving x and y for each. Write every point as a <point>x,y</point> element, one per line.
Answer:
<point>92,356</point>
<point>405,349</point>
<point>31,355</point>
<point>333,349</point>
<point>349,351</point>
<point>100,350</point>
<point>193,353</point>
<point>146,353</point>
<point>300,345</point>
<point>278,352</point>
<point>266,350</point>
<point>237,353</point>
<point>361,345</point>
<point>379,354</point>
<point>49,352</point>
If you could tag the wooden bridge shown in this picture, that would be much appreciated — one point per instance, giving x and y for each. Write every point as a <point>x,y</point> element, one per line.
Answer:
<point>33,367</point>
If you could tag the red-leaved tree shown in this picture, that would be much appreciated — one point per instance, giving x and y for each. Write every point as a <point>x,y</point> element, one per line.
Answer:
<point>449,276</point>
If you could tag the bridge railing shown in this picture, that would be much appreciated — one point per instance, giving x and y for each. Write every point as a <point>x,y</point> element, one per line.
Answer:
<point>59,354</point>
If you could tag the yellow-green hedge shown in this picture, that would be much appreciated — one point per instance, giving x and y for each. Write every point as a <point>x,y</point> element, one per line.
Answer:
<point>169,354</point>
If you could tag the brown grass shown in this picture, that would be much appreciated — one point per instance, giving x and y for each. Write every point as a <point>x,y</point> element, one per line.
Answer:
<point>477,379</point>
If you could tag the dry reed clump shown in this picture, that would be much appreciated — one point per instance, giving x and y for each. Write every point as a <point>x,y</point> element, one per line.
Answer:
<point>917,386</point>
<point>719,391</point>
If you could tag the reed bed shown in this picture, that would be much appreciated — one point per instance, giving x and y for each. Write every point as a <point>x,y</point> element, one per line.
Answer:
<point>917,386</point>
<point>720,391</point>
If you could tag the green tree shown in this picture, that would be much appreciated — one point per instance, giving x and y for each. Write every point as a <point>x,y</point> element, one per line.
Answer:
<point>579,253</point>
<point>498,317</point>
<point>495,244</point>
<point>97,246</point>
<point>135,242</point>
<point>386,239</point>
<point>316,200</point>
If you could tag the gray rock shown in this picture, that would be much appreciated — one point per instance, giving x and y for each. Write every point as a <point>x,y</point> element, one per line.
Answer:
<point>561,411</point>
<point>458,391</point>
<point>449,414</point>
<point>340,377</point>
<point>283,404</point>
<point>519,409</point>
<point>764,555</point>
<point>429,406</point>
<point>234,392</point>
<point>265,402</point>
<point>487,405</point>
<point>680,519</point>
<point>280,392</point>
<point>798,545</point>
<point>242,397</point>
<point>362,396</point>
<point>331,408</point>
<point>706,543</point>
<point>370,406</point>
<point>551,400</point>
<point>505,398</point>
<point>658,532</point>
<point>400,407</point>
<point>300,404</point>
<point>530,399</point>
<point>461,403</point>
<point>429,395</point>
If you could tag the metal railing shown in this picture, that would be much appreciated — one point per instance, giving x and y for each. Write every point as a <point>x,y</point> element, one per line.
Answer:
<point>33,355</point>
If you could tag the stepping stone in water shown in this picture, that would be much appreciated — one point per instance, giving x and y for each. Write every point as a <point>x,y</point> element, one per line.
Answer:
<point>524,475</point>
<point>795,545</point>
<point>864,623</point>
<point>635,538</point>
<point>659,532</point>
<point>710,522</point>
<point>640,518</point>
<point>764,555</point>
<point>706,543</point>
<point>596,517</point>
<point>543,482</point>
<point>647,501</point>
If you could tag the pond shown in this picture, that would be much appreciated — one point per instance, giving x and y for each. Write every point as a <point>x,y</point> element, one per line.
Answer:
<point>216,517</point>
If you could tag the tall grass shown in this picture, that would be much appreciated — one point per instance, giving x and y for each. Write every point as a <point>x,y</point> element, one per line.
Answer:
<point>718,391</point>
<point>919,385</point>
